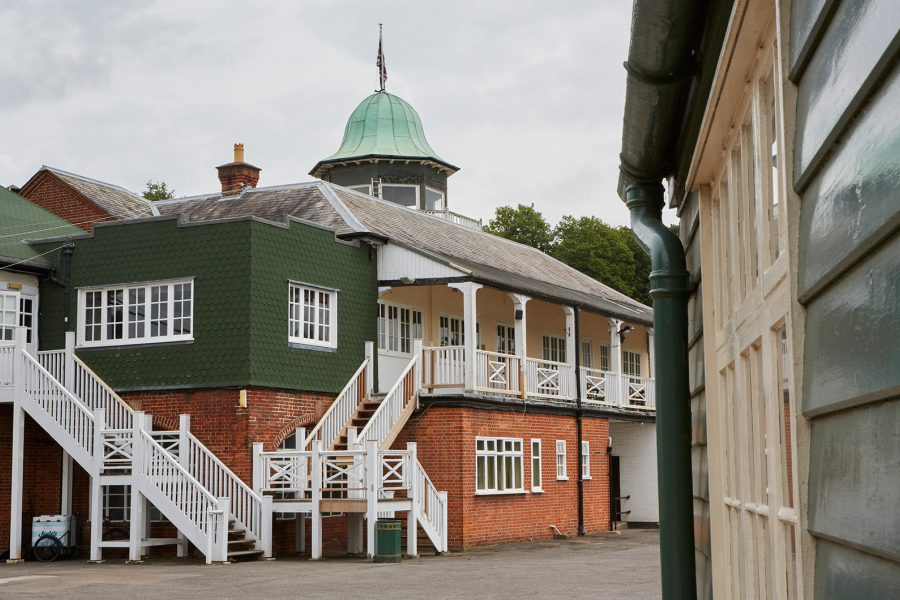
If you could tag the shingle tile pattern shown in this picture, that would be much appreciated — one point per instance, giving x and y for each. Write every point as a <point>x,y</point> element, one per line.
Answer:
<point>115,200</point>
<point>22,220</point>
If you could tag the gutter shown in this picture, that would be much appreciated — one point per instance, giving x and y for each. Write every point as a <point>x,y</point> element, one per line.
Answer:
<point>662,59</point>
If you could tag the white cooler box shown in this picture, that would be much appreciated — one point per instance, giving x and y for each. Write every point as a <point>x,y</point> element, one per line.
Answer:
<point>57,525</point>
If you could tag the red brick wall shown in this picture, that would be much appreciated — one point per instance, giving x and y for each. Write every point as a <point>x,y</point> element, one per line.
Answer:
<point>51,194</point>
<point>446,448</point>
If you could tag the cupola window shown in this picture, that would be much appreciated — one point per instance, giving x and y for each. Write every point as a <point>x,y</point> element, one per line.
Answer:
<point>405,195</point>
<point>434,200</point>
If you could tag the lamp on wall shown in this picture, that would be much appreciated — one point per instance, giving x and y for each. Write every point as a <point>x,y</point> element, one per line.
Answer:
<point>623,332</point>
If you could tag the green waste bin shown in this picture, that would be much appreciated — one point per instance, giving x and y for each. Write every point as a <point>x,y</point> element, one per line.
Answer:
<point>387,540</point>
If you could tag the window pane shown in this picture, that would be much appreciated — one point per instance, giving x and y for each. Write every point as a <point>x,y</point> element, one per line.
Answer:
<point>480,473</point>
<point>784,403</point>
<point>434,200</point>
<point>399,194</point>
<point>490,473</point>
<point>536,472</point>
<point>159,310</point>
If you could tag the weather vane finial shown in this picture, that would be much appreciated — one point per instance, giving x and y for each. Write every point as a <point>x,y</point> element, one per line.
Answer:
<point>382,70</point>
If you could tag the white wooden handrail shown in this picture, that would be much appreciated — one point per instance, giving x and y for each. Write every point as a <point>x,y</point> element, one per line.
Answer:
<point>340,411</point>
<point>220,481</point>
<point>433,505</point>
<point>95,393</point>
<point>391,408</point>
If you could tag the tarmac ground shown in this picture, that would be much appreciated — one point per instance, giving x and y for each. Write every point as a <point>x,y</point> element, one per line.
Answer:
<point>606,565</point>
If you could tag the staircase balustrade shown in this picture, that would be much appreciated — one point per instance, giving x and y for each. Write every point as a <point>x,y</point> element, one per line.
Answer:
<point>433,507</point>
<point>391,409</point>
<point>286,471</point>
<point>118,450</point>
<point>94,393</point>
<point>7,356</point>
<point>335,418</point>
<point>55,363</point>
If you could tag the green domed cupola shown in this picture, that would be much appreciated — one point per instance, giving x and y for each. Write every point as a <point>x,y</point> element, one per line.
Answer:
<point>384,150</point>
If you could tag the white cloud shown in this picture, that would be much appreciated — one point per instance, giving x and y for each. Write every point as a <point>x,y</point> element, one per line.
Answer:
<point>525,97</point>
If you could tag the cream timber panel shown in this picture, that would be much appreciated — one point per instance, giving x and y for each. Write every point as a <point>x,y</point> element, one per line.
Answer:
<point>395,262</point>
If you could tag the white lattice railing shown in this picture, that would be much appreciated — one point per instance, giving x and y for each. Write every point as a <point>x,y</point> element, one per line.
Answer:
<point>118,449</point>
<point>433,506</point>
<point>549,379</point>
<point>443,367</point>
<point>393,469</point>
<point>7,356</point>
<point>599,387</point>
<point>55,363</point>
<point>335,418</point>
<point>397,399</point>
<point>221,482</point>
<point>639,392</point>
<point>497,373</point>
<point>187,494</point>
<point>62,407</point>
<point>94,393</point>
<point>344,472</point>
<point>285,470</point>
<point>456,218</point>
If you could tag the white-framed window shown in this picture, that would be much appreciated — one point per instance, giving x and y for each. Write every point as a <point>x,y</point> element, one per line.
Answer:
<point>8,315</point>
<point>401,193</point>
<point>585,460</point>
<point>363,189</point>
<point>117,505</point>
<point>452,331</point>
<point>554,348</point>
<point>312,320</point>
<point>631,363</point>
<point>434,200</point>
<point>536,466</point>
<point>603,354</point>
<point>136,313</point>
<point>498,465</point>
<point>506,338</point>
<point>561,459</point>
<point>587,353</point>
<point>398,326</point>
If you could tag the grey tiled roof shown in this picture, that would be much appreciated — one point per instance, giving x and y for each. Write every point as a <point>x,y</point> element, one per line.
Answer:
<point>115,200</point>
<point>487,257</point>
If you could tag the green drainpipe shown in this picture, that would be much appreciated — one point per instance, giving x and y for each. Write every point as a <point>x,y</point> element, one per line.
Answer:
<point>670,286</point>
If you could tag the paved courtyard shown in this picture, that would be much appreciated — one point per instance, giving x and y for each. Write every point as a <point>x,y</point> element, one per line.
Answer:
<point>604,566</point>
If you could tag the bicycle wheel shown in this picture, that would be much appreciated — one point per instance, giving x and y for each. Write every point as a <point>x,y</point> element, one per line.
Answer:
<point>47,548</point>
<point>115,534</point>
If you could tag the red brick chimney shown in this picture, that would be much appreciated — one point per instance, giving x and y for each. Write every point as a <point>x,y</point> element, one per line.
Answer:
<point>237,175</point>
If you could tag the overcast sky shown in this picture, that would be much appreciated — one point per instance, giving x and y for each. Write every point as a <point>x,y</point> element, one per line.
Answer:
<point>525,96</point>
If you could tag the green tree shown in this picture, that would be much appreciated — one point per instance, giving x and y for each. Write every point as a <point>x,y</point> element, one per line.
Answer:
<point>641,278</point>
<point>591,246</point>
<point>158,191</point>
<point>523,224</point>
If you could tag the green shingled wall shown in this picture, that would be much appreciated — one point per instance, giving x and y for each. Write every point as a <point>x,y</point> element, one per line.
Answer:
<point>241,271</point>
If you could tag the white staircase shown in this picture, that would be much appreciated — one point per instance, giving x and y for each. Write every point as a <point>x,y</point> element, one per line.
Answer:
<point>206,502</point>
<point>364,479</point>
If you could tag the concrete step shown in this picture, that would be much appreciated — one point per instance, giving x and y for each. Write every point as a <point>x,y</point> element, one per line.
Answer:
<point>244,554</point>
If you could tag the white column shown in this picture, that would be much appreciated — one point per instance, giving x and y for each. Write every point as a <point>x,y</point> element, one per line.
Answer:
<point>67,462</point>
<point>412,529</point>
<point>615,361</point>
<point>370,368</point>
<point>137,505</point>
<point>96,489</point>
<point>419,369</point>
<point>519,301</point>
<point>18,449</point>
<point>568,386</point>
<point>220,552</point>
<point>267,515</point>
<point>316,519</point>
<point>300,532</point>
<point>371,496</point>
<point>184,428</point>
<point>651,352</point>
<point>469,290</point>
<point>259,474</point>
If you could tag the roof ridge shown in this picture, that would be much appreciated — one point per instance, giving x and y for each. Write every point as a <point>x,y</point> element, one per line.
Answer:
<point>245,191</point>
<point>90,180</point>
<point>341,208</point>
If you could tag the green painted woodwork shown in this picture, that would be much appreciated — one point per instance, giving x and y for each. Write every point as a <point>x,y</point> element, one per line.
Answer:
<point>844,573</point>
<point>851,204</point>
<point>241,270</point>
<point>856,48</point>
<point>851,335</point>
<point>23,220</point>
<point>808,20</point>
<point>854,478</point>
<point>384,125</point>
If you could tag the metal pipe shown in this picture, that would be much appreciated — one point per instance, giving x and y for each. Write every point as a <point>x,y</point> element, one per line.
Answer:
<point>670,286</point>
<point>579,415</point>
<point>68,250</point>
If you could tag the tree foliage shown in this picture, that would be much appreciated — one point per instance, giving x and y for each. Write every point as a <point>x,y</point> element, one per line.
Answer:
<point>524,225</point>
<point>609,254</point>
<point>158,191</point>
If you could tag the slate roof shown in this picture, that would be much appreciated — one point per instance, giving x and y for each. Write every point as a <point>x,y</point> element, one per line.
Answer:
<point>115,200</point>
<point>23,220</point>
<point>486,257</point>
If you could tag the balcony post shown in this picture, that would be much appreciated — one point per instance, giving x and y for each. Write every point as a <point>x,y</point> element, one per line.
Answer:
<point>571,349</point>
<point>615,361</point>
<point>652,372</point>
<point>521,341</point>
<point>469,290</point>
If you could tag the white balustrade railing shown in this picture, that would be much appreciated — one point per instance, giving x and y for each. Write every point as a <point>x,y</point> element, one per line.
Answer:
<point>343,471</point>
<point>456,218</point>
<point>397,399</point>
<point>394,469</point>
<point>550,379</point>
<point>443,367</point>
<point>599,387</point>
<point>188,495</point>
<point>55,363</point>
<point>7,357</point>
<point>94,393</point>
<point>118,449</point>
<point>285,470</point>
<point>497,373</point>
<point>638,392</point>
<point>169,440</point>
<point>64,408</point>
<point>221,482</point>
<point>433,505</point>
<point>335,418</point>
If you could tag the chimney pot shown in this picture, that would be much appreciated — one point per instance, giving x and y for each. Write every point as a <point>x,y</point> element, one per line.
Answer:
<point>238,153</point>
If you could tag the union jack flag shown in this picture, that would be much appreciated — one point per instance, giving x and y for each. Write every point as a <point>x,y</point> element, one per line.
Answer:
<point>382,69</point>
